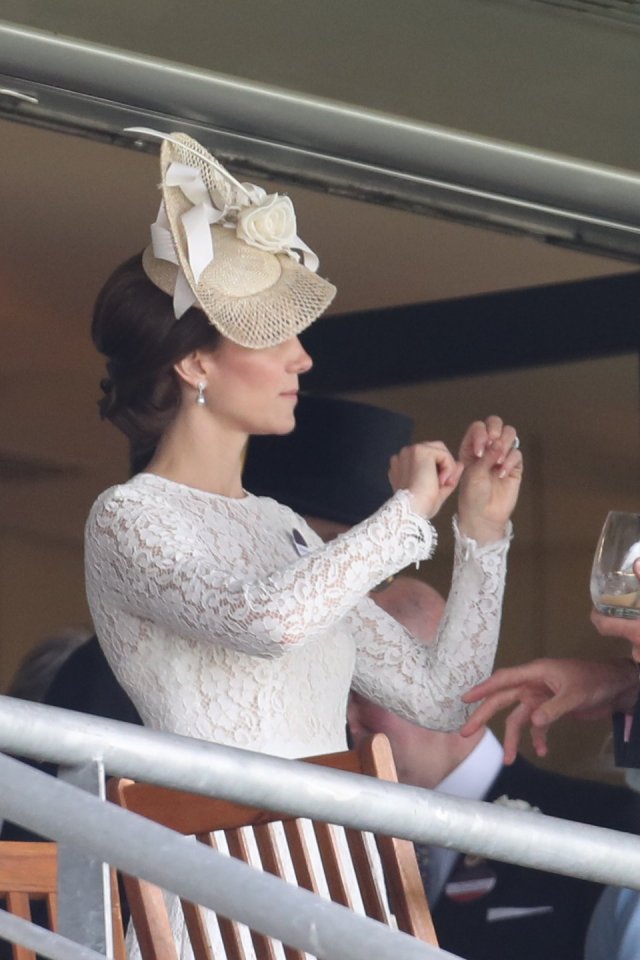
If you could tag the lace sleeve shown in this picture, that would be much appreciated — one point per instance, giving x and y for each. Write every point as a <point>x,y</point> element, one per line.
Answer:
<point>424,684</point>
<point>141,557</point>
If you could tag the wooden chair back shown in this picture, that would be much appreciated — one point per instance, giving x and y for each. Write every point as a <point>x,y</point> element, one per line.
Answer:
<point>29,890</point>
<point>203,817</point>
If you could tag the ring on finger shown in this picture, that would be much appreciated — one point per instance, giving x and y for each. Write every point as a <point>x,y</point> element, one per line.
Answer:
<point>516,443</point>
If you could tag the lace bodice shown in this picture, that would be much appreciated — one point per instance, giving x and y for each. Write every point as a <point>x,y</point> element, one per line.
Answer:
<point>219,625</point>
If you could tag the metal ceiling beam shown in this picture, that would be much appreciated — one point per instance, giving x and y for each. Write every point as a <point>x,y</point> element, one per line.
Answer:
<point>95,91</point>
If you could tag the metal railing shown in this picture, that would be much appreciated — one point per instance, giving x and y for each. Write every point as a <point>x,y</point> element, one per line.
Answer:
<point>529,839</point>
<point>47,733</point>
<point>42,941</point>
<point>141,847</point>
<point>87,88</point>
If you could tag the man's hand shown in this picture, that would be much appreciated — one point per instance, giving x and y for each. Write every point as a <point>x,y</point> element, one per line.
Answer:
<point>545,690</point>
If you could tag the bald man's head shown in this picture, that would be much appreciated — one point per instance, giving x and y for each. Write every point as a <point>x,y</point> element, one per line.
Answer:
<point>414,604</point>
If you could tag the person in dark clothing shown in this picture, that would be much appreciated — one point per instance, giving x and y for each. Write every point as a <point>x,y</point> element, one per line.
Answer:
<point>85,682</point>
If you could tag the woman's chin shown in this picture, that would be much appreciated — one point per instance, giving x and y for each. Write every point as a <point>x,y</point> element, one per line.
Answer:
<point>286,428</point>
<point>279,427</point>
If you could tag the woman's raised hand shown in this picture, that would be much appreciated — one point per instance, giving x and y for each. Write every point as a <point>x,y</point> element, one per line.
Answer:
<point>491,479</point>
<point>429,472</point>
<point>545,690</point>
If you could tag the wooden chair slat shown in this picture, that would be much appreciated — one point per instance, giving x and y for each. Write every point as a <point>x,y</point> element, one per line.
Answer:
<point>19,905</point>
<point>28,866</point>
<point>405,888</point>
<point>404,883</point>
<point>187,813</point>
<point>271,858</point>
<point>365,872</point>
<point>19,952</point>
<point>333,869</point>
<point>300,856</point>
<point>153,929</point>
<point>268,850</point>
<point>52,914</point>
<point>229,929</point>
<point>197,929</point>
<point>239,848</point>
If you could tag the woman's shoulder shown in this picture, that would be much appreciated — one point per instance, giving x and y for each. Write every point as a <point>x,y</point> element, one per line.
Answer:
<point>132,492</point>
<point>128,500</point>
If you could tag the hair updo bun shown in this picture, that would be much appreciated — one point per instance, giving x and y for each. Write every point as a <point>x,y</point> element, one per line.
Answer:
<point>135,327</point>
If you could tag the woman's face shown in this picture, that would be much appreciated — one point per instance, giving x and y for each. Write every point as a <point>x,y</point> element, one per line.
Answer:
<point>256,391</point>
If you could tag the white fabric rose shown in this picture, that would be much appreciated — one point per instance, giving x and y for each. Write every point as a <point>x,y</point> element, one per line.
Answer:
<point>268,225</point>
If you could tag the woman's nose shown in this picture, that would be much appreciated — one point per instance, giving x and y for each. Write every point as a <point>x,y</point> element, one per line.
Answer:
<point>301,360</point>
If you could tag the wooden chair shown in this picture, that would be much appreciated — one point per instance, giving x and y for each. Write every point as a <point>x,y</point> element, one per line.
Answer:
<point>29,885</point>
<point>190,813</point>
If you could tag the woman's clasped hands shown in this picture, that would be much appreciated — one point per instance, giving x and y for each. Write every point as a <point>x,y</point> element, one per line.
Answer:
<point>429,472</point>
<point>490,483</point>
<point>488,471</point>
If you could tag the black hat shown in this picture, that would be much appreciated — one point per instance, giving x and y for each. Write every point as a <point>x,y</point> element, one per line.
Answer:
<point>334,464</point>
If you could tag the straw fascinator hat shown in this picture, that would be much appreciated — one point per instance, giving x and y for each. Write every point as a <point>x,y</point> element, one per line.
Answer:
<point>231,249</point>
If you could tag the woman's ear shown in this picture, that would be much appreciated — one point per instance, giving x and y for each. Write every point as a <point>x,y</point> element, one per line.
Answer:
<point>192,368</point>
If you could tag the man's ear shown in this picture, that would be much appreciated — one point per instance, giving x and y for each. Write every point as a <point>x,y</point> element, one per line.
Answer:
<point>192,368</point>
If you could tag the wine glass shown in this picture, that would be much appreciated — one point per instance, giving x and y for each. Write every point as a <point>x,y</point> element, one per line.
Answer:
<point>615,589</point>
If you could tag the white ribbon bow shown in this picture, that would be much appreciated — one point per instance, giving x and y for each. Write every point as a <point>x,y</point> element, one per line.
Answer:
<point>197,221</point>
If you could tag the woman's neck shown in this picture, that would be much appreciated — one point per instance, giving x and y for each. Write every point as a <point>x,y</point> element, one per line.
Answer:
<point>200,453</point>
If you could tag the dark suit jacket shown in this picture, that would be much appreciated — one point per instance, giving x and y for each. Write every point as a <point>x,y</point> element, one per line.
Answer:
<point>627,752</point>
<point>85,682</point>
<point>463,928</point>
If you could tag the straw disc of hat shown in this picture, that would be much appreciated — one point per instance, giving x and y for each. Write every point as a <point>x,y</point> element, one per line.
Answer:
<point>256,290</point>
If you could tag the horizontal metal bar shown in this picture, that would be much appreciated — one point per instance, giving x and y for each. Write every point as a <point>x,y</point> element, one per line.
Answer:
<point>192,870</point>
<point>97,91</point>
<point>529,839</point>
<point>42,941</point>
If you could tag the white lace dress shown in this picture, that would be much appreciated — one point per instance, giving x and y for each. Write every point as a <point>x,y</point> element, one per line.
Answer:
<point>218,629</point>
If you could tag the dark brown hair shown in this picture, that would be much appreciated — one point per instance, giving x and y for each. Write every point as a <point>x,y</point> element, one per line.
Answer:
<point>135,327</point>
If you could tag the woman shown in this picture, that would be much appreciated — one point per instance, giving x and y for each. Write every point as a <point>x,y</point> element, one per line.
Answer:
<point>222,614</point>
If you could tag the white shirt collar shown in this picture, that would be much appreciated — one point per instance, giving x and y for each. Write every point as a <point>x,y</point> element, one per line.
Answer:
<point>473,777</point>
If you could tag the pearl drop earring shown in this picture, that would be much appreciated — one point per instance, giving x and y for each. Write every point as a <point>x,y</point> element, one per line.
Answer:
<point>200,399</point>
